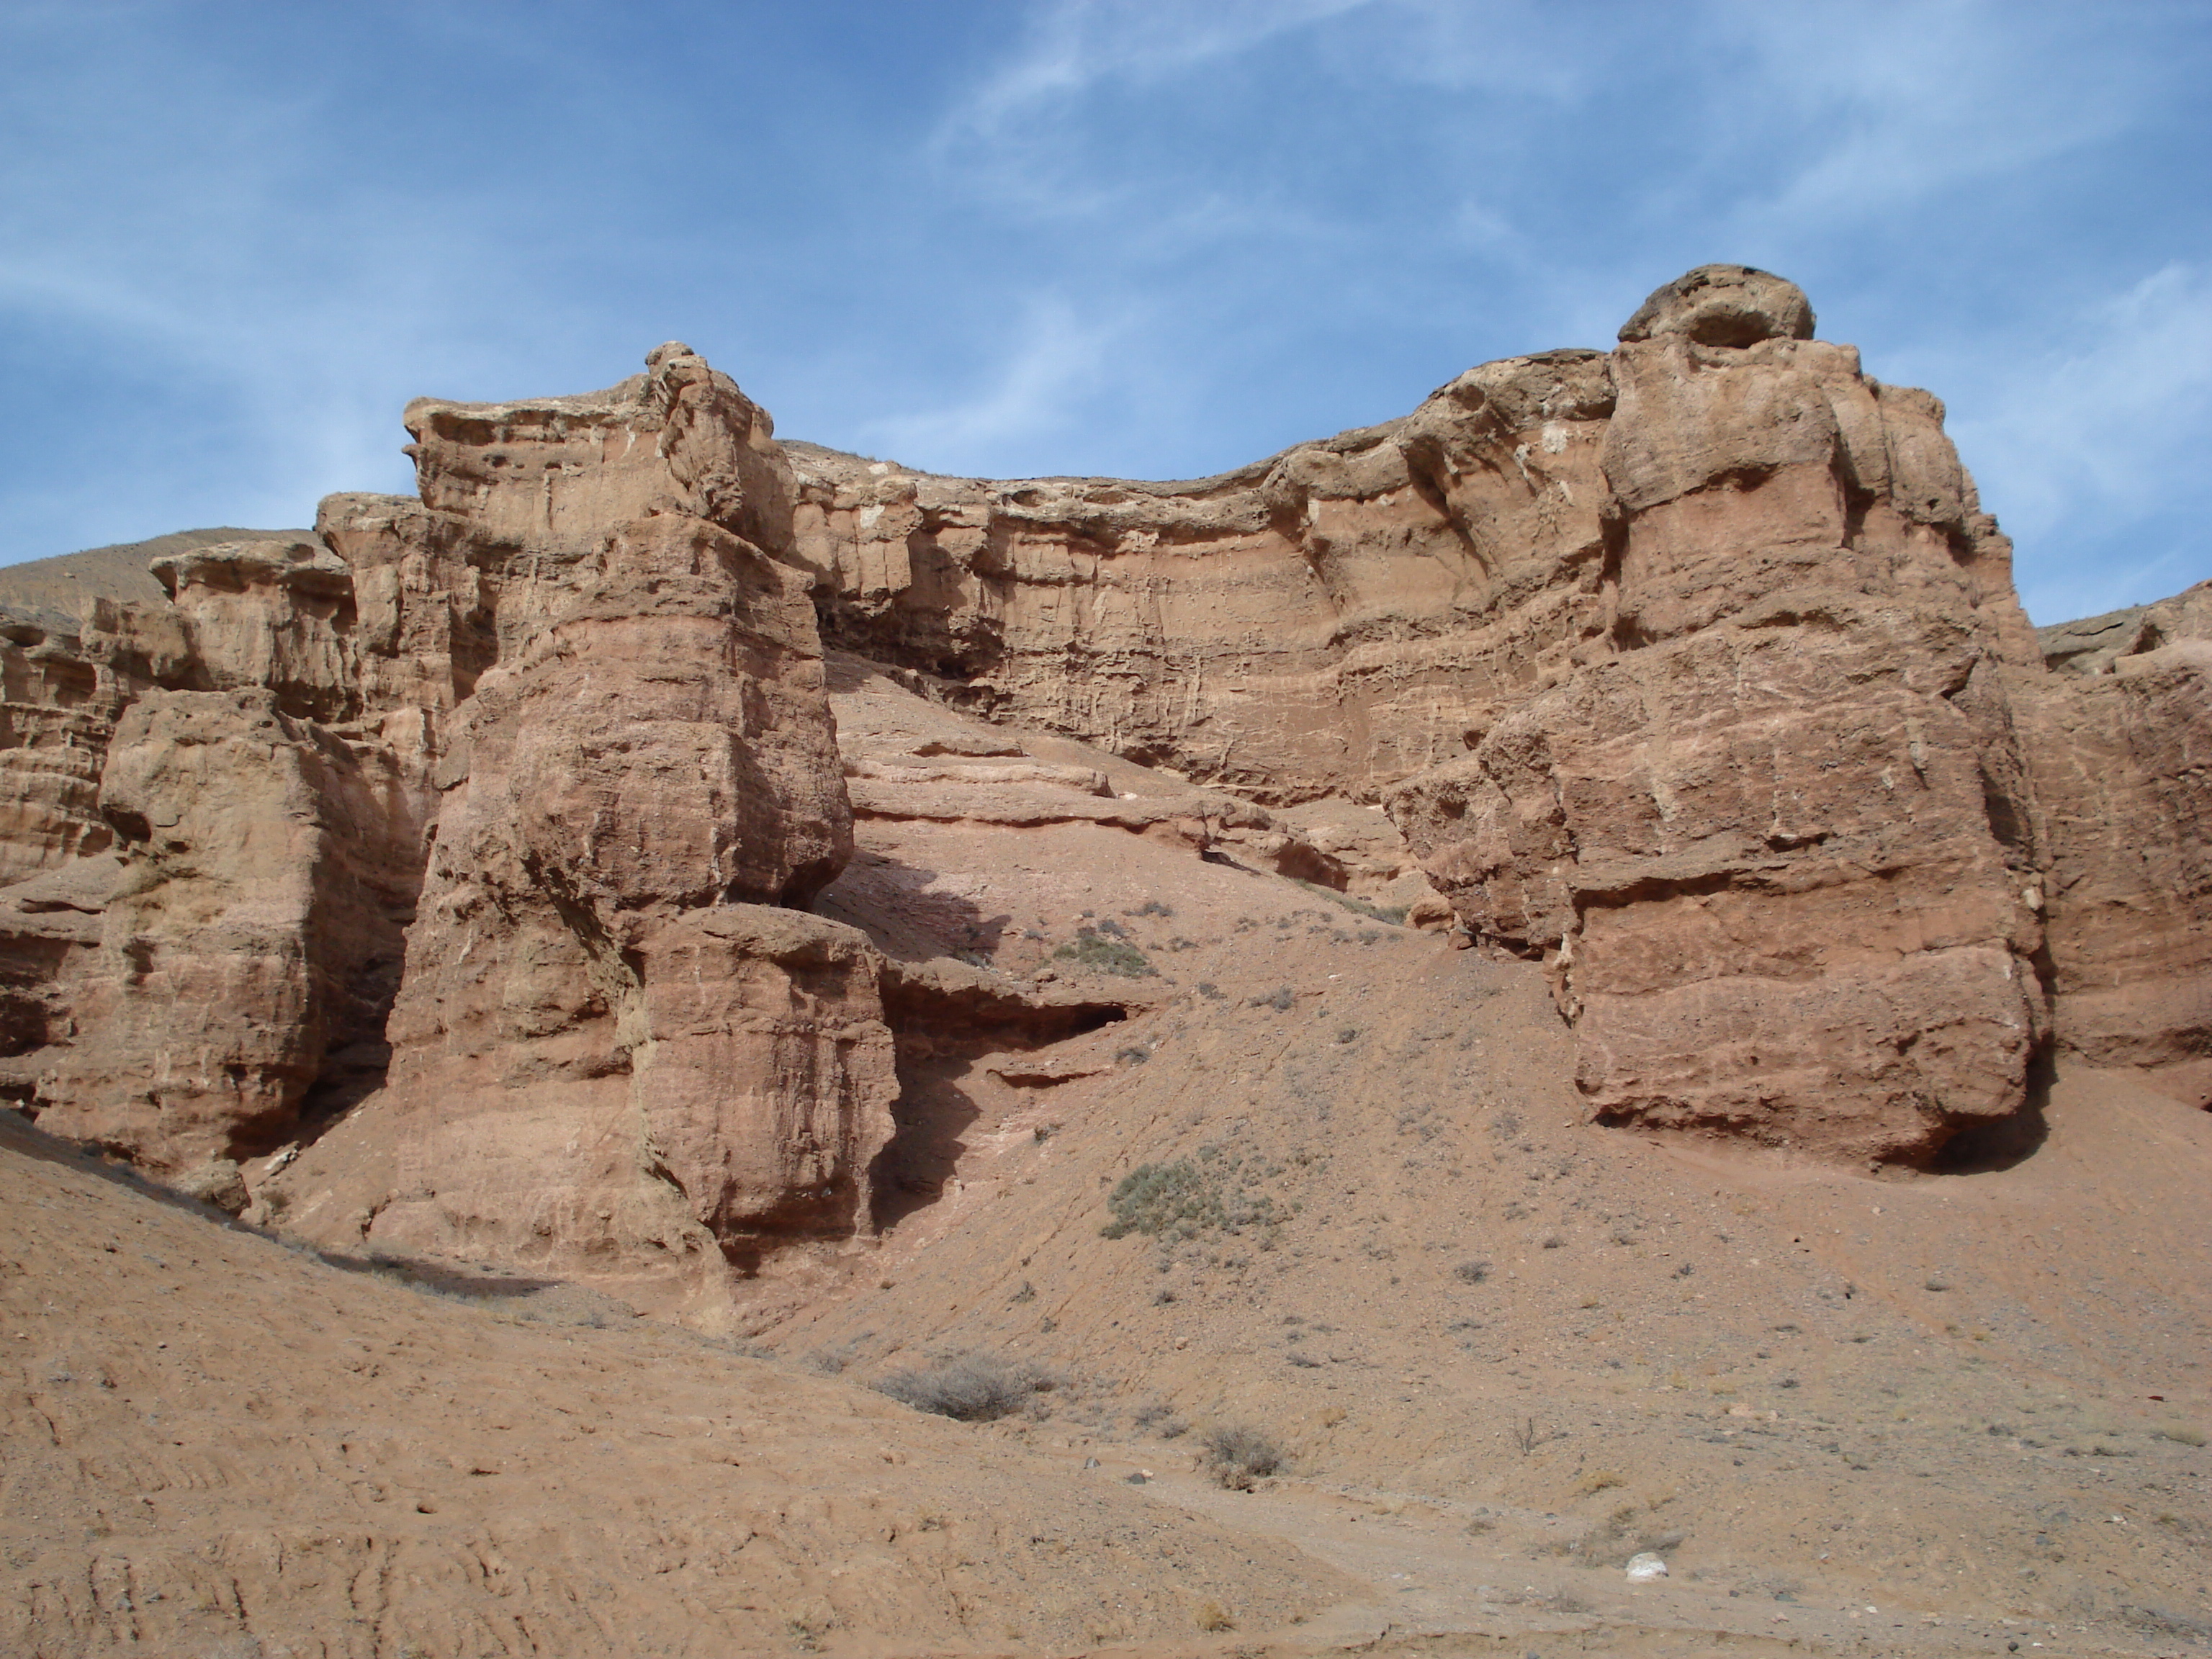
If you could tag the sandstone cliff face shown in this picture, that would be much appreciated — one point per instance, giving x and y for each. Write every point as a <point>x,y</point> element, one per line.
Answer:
<point>612,710</point>
<point>54,725</point>
<point>1692,669</point>
<point>1681,666</point>
<point>2120,753</point>
<point>1777,842</point>
<point>1319,624</point>
<point>252,942</point>
<point>605,1046</point>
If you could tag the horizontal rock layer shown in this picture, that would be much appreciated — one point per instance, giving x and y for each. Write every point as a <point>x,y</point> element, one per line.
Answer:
<point>1693,668</point>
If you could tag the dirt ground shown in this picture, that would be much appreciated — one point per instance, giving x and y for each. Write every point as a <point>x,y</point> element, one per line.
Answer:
<point>1354,1211</point>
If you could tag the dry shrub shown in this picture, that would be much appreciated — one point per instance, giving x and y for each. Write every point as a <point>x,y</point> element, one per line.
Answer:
<point>1237,1454</point>
<point>973,1388</point>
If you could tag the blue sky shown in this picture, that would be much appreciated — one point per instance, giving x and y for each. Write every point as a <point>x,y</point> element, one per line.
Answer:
<point>1013,237</point>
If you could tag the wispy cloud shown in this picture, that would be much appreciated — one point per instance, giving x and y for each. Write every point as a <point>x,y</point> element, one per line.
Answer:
<point>1069,47</point>
<point>2099,439</point>
<point>1046,382</point>
<point>1882,104</point>
<point>1085,235</point>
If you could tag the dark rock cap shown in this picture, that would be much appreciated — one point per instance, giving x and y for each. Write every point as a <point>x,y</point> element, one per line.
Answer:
<point>1724,305</point>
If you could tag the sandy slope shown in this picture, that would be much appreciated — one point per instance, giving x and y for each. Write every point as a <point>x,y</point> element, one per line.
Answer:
<point>215,1445</point>
<point>1976,1395</point>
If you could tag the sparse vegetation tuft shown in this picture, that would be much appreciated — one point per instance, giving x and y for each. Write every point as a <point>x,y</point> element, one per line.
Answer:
<point>1237,1456</point>
<point>1393,913</point>
<point>1279,1000</point>
<point>1092,949</point>
<point>1159,1418</point>
<point>1185,1198</point>
<point>974,1387</point>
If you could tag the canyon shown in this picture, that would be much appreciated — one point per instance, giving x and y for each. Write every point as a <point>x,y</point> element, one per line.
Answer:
<point>783,893</point>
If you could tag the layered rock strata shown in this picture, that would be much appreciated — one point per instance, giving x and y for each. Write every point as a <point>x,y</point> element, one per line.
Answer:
<point>606,1042</point>
<point>2120,753</point>
<point>1776,840</point>
<point>249,941</point>
<point>564,669</point>
<point>1320,623</point>
<point>1681,666</point>
<point>1693,668</point>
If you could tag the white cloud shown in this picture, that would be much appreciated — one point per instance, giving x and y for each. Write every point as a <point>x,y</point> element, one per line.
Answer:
<point>1882,104</point>
<point>1051,374</point>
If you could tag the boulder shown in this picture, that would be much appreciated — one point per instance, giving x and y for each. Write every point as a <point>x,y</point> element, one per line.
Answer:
<point>1723,306</point>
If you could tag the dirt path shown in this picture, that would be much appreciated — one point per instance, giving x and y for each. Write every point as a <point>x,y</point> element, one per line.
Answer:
<point>1430,1583</point>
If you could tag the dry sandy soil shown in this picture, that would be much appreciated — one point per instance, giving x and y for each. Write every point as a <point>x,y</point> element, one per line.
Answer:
<point>1500,1350</point>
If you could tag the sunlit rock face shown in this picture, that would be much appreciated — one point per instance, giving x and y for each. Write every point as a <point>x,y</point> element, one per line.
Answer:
<point>1684,666</point>
<point>481,824</point>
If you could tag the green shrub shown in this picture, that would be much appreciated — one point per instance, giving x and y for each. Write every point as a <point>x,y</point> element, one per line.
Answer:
<point>1090,949</point>
<point>1182,1199</point>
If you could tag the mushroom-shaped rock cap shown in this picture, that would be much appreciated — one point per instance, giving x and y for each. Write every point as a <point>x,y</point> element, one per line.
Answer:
<point>1724,305</point>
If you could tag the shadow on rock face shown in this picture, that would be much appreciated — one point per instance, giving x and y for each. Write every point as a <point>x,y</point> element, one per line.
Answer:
<point>908,915</point>
<point>2010,1141</point>
<point>933,1114</point>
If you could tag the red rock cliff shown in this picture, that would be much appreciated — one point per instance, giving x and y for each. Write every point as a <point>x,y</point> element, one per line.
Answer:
<point>1693,668</point>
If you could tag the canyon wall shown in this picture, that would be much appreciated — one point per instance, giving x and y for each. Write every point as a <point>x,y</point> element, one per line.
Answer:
<point>472,838</point>
<point>1693,668</point>
<point>2118,740</point>
<point>520,776</point>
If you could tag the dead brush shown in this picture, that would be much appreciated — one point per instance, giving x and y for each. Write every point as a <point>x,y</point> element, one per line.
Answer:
<point>1238,1456</point>
<point>975,1387</point>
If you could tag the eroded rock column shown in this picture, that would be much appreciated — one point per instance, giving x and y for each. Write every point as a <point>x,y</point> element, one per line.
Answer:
<point>1774,841</point>
<point>618,1051</point>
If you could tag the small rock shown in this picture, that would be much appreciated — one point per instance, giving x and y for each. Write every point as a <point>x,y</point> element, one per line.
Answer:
<point>1644,1567</point>
<point>1137,1479</point>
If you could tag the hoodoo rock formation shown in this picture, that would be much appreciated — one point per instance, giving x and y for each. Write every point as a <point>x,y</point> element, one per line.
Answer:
<point>473,840</point>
